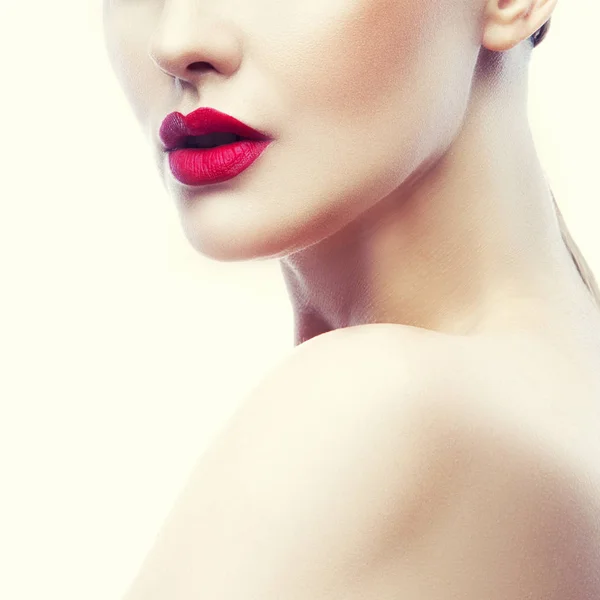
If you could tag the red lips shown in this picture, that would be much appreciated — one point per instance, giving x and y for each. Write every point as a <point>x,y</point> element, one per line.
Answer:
<point>196,166</point>
<point>177,127</point>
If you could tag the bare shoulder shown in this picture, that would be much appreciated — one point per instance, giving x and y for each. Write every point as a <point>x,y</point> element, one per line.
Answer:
<point>435,384</point>
<point>309,482</point>
<point>369,464</point>
<point>403,374</point>
<point>371,362</point>
<point>513,507</point>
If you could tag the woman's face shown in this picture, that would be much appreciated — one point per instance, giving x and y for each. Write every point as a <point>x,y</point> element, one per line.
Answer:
<point>356,95</point>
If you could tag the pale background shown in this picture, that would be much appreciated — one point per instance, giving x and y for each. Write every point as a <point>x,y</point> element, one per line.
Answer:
<point>122,350</point>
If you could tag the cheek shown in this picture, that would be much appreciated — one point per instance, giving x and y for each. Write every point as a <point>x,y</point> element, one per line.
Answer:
<point>348,55</point>
<point>390,76</point>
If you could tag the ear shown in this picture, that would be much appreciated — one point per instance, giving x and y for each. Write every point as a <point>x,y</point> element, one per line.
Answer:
<point>509,22</point>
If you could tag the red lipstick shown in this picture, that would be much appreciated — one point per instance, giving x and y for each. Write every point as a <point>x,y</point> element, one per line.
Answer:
<point>208,146</point>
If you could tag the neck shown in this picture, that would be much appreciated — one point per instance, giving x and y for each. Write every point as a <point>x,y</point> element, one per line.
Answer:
<point>469,244</point>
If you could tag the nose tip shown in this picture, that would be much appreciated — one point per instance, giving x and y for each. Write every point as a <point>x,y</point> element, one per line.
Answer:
<point>189,51</point>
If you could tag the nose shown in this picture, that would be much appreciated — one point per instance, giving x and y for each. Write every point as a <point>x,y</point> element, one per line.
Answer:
<point>186,46</point>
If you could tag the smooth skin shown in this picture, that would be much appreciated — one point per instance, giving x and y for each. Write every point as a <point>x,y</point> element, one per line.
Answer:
<point>435,433</point>
<point>378,466</point>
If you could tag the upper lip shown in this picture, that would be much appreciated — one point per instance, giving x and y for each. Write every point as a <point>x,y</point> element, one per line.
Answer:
<point>177,127</point>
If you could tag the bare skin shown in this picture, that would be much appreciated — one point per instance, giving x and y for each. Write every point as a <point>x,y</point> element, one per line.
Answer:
<point>408,467</point>
<point>434,434</point>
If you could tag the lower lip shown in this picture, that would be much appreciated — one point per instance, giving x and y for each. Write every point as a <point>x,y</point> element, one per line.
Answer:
<point>200,166</point>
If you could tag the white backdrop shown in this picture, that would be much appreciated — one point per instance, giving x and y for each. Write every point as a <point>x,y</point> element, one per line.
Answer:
<point>122,351</point>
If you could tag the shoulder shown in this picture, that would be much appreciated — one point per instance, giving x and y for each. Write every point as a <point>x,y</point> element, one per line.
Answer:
<point>357,396</point>
<point>364,459</point>
<point>402,392</point>
<point>399,369</point>
<point>455,405</point>
<point>481,475</point>
<point>458,409</point>
<point>479,502</point>
<point>380,355</point>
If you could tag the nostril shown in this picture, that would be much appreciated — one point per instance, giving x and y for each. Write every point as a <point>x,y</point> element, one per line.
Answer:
<point>200,66</point>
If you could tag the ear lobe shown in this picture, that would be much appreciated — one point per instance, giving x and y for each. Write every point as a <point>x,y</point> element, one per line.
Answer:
<point>509,22</point>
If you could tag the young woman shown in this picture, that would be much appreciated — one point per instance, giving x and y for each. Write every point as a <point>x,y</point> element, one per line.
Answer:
<point>435,432</point>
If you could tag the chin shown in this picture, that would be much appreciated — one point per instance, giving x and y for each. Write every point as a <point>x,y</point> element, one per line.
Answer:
<point>238,242</point>
<point>231,249</point>
<point>219,232</point>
